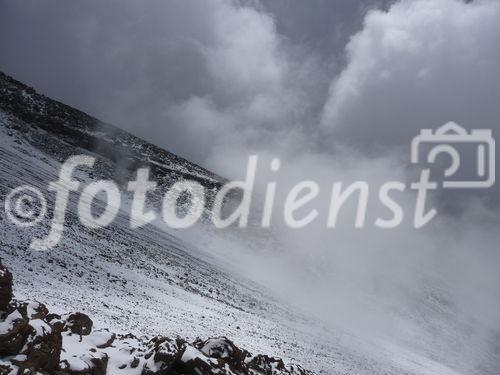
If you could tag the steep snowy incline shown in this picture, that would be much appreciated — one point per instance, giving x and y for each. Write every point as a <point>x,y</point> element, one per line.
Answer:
<point>153,280</point>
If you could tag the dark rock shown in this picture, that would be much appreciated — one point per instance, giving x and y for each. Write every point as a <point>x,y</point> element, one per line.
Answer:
<point>266,365</point>
<point>165,353</point>
<point>5,287</point>
<point>135,363</point>
<point>13,339</point>
<point>79,324</point>
<point>100,365</point>
<point>43,352</point>
<point>5,370</point>
<point>33,309</point>
<point>192,361</point>
<point>224,349</point>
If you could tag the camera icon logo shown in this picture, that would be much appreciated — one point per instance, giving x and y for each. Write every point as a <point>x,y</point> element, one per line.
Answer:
<point>452,139</point>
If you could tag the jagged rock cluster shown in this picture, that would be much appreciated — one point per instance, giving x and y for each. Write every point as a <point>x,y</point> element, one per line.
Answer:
<point>34,341</point>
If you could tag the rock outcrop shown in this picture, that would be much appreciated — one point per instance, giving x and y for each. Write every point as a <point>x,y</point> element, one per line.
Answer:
<point>34,341</point>
<point>5,287</point>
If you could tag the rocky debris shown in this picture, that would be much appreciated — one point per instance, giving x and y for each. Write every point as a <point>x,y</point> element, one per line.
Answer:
<point>34,341</point>
<point>14,331</point>
<point>5,287</point>
<point>42,349</point>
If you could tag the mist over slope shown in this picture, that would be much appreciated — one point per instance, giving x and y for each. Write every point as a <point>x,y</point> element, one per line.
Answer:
<point>132,280</point>
<point>142,281</point>
<point>336,90</point>
<point>159,280</point>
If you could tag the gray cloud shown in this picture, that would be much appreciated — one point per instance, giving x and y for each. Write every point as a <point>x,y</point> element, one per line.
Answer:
<point>256,67</point>
<point>215,81</point>
<point>419,65</point>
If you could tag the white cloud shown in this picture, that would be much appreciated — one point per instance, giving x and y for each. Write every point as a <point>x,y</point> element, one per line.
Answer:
<point>420,64</point>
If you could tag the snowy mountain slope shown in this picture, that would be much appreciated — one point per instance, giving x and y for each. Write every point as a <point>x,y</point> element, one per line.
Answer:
<point>153,280</point>
<point>35,340</point>
<point>78,129</point>
<point>120,274</point>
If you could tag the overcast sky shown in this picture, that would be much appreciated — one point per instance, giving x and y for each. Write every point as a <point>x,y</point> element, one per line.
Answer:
<point>174,71</point>
<point>337,88</point>
<point>211,79</point>
<point>143,67</point>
